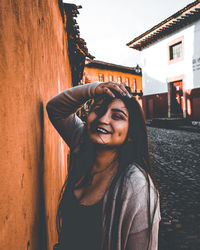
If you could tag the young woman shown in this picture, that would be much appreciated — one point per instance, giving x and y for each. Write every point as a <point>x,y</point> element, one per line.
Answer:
<point>109,200</point>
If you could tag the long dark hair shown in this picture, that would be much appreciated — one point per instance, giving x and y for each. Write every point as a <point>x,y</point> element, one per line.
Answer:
<point>133,150</point>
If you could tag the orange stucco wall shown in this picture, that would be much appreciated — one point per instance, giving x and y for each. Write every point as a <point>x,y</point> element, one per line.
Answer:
<point>33,159</point>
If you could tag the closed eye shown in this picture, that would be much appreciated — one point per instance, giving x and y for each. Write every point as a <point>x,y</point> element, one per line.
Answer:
<point>117,116</point>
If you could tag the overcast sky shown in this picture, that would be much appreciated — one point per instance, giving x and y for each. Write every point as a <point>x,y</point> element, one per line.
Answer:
<point>107,25</point>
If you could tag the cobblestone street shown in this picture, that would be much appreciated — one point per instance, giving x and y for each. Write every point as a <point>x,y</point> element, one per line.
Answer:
<point>176,160</point>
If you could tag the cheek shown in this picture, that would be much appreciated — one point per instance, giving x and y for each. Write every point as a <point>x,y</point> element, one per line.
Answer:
<point>123,130</point>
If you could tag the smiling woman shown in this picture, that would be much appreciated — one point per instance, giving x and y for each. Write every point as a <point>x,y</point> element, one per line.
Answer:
<point>109,200</point>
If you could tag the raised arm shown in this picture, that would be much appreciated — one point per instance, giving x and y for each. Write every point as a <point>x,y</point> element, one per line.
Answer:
<point>62,108</point>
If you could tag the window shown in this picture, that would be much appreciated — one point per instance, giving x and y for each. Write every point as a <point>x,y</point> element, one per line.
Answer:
<point>175,50</point>
<point>101,77</point>
<point>111,78</point>
<point>119,79</point>
<point>127,82</point>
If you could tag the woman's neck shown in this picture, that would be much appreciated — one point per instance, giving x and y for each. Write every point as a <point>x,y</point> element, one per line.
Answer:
<point>105,158</point>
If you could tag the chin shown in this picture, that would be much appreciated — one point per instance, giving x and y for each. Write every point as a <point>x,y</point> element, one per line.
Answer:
<point>99,144</point>
<point>98,141</point>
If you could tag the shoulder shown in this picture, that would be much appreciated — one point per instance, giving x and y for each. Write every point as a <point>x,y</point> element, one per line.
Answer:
<point>138,183</point>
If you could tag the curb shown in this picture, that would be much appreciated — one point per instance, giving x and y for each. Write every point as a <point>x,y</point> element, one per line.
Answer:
<point>175,123</point>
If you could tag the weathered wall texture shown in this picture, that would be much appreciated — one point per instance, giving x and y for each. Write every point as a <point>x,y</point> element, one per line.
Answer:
<point>33,159</point>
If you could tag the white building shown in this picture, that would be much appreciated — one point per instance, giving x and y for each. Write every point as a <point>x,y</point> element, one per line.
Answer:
<point>171,65</point>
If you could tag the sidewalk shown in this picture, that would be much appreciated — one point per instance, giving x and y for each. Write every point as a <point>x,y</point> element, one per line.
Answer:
<point>175,123</point>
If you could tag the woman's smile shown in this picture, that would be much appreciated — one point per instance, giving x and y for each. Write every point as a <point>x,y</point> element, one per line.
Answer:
<point>102,130</point>
<point>111,128</point>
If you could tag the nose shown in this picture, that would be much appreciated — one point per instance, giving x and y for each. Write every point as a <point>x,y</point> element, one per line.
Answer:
<point>105,118</point>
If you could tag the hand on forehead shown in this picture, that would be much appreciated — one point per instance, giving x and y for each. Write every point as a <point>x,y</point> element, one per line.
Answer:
<point>110,88</point>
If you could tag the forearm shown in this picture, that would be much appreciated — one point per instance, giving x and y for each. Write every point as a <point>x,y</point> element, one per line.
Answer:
<point>61,110</point>
<point>70,100</point>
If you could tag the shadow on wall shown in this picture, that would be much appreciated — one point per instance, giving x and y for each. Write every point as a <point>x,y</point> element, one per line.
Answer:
<point>39,223</point>
<point>42,222</point>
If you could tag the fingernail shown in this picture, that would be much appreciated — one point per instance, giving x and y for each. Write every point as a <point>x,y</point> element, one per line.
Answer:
<point>124,94</point>
<point>130,96</point>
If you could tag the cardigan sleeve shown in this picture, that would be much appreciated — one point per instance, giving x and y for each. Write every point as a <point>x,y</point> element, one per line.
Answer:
<point>62,109</point>
<point>138,236</point>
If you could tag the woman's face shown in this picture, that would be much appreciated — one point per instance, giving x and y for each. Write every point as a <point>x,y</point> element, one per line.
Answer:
<point>111,129</point>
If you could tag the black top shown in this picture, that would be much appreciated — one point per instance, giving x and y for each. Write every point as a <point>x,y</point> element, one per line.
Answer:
<point>82,226</point>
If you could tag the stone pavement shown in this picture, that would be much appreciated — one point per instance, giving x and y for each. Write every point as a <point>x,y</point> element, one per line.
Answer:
<point>176,161</point>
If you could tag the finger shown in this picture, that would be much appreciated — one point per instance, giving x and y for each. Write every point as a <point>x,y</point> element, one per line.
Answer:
<point>109,92</point>
<point>107,87</point>
<point>100,89</point>
<point>120,88</point>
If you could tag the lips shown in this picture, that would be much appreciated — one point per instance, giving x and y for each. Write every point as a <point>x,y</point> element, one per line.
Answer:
<point>102,130</point>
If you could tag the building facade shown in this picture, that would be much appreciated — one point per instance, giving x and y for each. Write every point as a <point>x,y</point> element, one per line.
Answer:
<point>171,65</point>
<point>104,72</point>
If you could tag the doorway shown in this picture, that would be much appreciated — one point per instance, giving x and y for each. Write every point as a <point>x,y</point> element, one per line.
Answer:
<point>176,98</point>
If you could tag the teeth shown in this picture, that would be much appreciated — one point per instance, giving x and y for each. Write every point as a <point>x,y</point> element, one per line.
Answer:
<point>102,130</point>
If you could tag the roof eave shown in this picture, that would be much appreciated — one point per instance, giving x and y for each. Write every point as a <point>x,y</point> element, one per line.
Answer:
<point>178,20</point>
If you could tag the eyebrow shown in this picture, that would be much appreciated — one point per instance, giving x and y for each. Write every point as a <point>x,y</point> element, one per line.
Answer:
<point>119,110</point>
